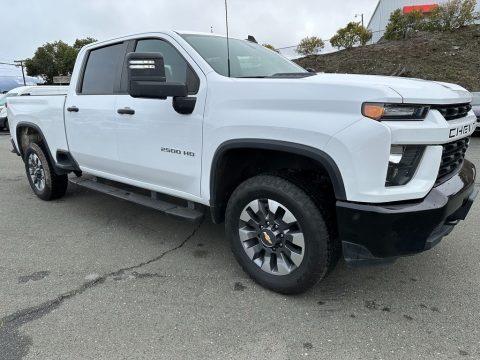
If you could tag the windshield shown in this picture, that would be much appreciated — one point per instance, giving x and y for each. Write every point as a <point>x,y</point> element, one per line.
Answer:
<point>3,98</point>
<point>247,59</point>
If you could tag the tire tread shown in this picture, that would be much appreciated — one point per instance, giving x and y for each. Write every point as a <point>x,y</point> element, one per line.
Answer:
<point>317,269</point>
<point>58,183</point>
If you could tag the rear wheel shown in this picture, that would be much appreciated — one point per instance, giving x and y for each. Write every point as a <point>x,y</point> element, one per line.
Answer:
<point>44,182</point>
<point>278,234</point>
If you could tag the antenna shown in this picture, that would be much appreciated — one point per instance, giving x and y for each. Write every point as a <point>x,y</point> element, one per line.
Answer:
<point>228,41</point>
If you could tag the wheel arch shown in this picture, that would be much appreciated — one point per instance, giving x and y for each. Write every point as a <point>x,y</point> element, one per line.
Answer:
<point>315,155</point>
<point>39,134</point>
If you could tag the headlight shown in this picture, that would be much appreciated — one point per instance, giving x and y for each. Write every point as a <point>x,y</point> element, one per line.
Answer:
<point>379,111</point>
<point>403,163</point>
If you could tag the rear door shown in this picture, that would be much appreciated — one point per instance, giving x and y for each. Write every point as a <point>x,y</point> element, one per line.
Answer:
<point>157,145</point>
<point>90,117</point>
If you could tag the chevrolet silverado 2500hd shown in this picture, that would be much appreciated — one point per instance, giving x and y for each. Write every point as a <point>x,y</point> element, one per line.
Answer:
<point>301,167</point>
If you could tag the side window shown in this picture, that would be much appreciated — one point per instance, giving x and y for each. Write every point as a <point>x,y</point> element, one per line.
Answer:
<point>101,70</point>
<point>176,67</point>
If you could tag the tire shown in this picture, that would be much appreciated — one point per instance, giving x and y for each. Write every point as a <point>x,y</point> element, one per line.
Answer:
<point>6,126</point>
<point>293,250</point>
<point>44,182</point>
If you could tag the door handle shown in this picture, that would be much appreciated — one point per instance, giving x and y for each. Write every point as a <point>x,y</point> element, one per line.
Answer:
<point>72,109</point>
<point>126,111</point>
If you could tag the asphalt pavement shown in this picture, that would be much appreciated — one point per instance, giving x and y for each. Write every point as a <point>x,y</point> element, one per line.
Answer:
<point>92,277</point>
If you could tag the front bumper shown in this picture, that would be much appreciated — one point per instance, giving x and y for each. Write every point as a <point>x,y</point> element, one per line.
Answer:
<point>381,233</point>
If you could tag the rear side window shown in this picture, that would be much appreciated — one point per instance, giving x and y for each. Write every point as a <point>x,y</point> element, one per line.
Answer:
<point>176,67</point>
<point>101,70</point>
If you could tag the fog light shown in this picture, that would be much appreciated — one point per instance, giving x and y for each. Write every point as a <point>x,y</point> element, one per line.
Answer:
<point>402,164</point>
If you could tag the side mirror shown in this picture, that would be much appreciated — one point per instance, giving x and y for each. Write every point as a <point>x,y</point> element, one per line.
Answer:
<point>146,77</point>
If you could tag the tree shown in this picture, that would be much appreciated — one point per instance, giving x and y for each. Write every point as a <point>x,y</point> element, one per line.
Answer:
<point>79,43</point>
<point>453,14</point>
<point>401,26</point>
<point>270,46</point>
<point>310,45</point>
<point>349,36</point>
<point>54,59</point>
<point>447,17</point>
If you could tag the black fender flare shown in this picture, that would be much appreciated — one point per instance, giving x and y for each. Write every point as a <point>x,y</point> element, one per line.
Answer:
<point>315,154</point>
<point>21,124</point>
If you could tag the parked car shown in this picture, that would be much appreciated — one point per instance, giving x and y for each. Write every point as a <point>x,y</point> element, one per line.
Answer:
<point>300,166</point>
<point>3,110</point>
<point>24,91</point>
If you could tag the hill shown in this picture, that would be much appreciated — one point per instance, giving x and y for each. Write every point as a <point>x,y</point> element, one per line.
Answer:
<point>442,56</point>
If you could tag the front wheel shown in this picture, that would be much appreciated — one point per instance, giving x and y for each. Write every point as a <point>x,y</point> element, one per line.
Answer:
<point>278,234</point>
<point>42,178</point>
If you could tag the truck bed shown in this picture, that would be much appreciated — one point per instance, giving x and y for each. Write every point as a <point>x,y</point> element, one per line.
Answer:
<point>44,112</point>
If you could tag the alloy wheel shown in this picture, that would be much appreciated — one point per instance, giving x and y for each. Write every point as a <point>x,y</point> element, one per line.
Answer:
<point>271,237</point>
<point>36,172</point>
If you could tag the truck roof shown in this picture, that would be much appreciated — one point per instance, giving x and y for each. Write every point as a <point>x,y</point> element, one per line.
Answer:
<point>182,32</point>
<point>163,32</point>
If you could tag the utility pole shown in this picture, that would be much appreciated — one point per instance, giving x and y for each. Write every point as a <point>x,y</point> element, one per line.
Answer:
<point>19,63</point>
<point>361,15</point>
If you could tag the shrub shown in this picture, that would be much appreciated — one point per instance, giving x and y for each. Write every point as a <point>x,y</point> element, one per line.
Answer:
<point>452,15</point>
<point>401,26</point>
<point>351,35</point>
<point>310,45</point>
<point>447,17</point>
<point>270,46</point>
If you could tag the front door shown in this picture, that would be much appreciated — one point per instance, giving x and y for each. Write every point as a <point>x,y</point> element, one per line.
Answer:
<point>157,146</point>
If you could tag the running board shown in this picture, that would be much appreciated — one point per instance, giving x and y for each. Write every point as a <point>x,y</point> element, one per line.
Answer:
<point>187,213</point>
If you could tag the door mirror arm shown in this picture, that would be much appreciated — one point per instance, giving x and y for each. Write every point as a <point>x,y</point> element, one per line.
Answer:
<point>184,105</point>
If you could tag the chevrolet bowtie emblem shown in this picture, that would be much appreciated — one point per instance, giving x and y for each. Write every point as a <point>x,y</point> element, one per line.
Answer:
<point>267,237</point>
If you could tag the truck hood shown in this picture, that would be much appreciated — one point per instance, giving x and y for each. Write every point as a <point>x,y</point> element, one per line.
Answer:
<point>413,91</point>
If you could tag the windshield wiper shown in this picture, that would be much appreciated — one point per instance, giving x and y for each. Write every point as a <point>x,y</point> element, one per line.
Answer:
<point>280,76</point>
<point>293,75</point>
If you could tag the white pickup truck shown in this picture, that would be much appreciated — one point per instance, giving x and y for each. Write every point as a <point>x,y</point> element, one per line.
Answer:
<point>301,167</point>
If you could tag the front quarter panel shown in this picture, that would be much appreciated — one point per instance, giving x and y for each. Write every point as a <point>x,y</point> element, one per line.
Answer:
<point>298,111</point>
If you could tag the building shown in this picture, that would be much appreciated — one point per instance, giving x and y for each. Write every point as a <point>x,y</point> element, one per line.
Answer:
<point>384,8</point>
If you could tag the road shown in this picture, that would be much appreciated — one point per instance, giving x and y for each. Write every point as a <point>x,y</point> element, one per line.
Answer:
<point>92,277</point>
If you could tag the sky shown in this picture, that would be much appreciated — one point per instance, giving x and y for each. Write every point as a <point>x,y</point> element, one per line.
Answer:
<point>27,24</point>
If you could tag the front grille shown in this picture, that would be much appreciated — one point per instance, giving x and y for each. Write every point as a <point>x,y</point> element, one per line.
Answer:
<point>452,112</point>
<point>452,158</point>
